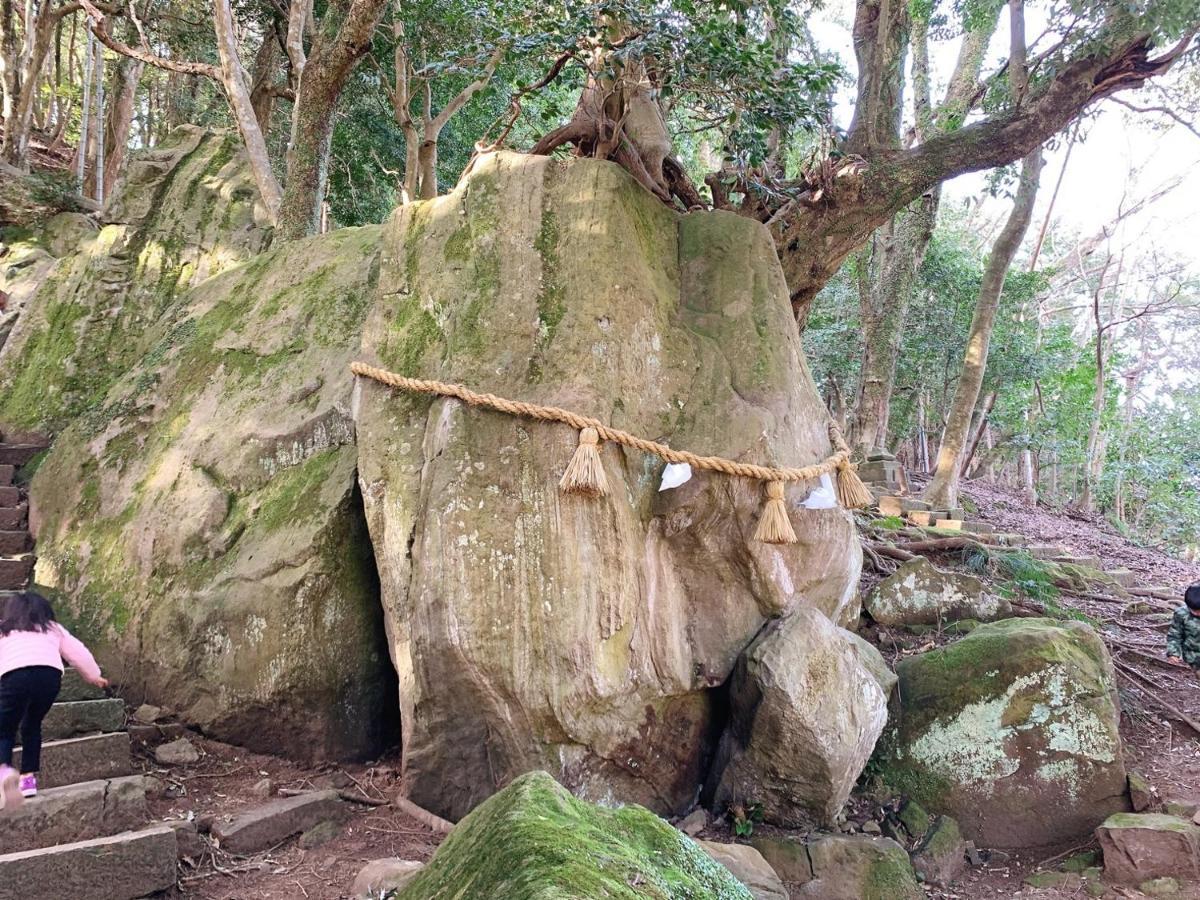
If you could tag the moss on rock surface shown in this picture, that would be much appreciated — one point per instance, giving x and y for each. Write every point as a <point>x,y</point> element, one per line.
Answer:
<point>534,841</point>
<point>1013,730</point>
<point>202,524</point>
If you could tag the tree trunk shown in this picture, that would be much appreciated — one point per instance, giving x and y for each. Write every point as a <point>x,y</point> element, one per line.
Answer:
<point>339,46</point>
<point>262,79</point>
<point>943,489</point>
<point>84,112</point>
<point>10,79</point>
<point>982,426</point>
<point>36,48</point>
<point>120,117</point>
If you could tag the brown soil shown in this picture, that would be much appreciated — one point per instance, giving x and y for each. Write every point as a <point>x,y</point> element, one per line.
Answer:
<point>1159,744</point>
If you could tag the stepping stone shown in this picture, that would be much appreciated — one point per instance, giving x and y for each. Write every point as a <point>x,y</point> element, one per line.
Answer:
<point>7,473</point>
<point>13,543</point>
<point>949,524</point>
<point>978,527</point>
<point>1084,562</point>
<point>1011,540</point>
<point>14,516</point>
<point>15,572</point>
<point>67,720</point>
<point>91,758</point>
<point>18,454</point>
<point>76,812</point>
<point>899,506</point>
<point>9,495</point>
<point>272,823</point>
<point>129,865</point>
<point>1045,551</point>
<point>926,517</point>
<point>1123,577</point>
<point>75,688</point>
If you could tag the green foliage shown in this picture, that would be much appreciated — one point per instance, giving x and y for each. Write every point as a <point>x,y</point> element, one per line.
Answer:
<point>745,817</point>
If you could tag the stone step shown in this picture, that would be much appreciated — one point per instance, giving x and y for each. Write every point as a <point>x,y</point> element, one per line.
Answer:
<point>74,688</point>
<point>1045,551</point>
<point>76,812</point>
<point>950,524</point>
<point>92,758</point>
<point>7,473</point>
<point>1084,562</point>
<point>898,506</point>
<point>15,572</point>
<point>18,454</point>
<point>927,517</point>
<point>68,720</point>
<point>14,543</point>
<point>272,823</point>
<point>1123,577</point>
<point>1011,539</point>
<point>14,516</point>
<point>117,867</point>
<point>10,495</point>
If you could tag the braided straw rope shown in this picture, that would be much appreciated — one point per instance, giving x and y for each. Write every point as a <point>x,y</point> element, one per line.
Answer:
<point>838,461</point>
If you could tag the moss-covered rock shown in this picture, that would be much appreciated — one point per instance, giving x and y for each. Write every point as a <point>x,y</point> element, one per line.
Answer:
<point>940,857</point>
<point>534,841</point>
<point>201,524</point>
<point>918,594</point>
<point>1139,847</point>
<point>1013,731</point>
<point>856,867</point>
<point>533,630</point>
<point>185,210</point>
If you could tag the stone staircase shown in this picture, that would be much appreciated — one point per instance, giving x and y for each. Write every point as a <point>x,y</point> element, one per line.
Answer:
<point>86,833</point>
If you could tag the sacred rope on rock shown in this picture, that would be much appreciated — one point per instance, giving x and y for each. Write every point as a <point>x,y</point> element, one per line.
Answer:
<point>585,473</point>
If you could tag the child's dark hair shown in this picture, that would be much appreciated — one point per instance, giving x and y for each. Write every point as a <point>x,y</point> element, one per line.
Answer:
<point>1192,597</point>
<point>24,611</point>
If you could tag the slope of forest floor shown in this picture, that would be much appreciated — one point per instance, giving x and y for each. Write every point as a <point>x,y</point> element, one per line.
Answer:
<point>1158,701</point>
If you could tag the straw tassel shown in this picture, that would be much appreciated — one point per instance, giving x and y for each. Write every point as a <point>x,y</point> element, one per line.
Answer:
<point>851,492</point>
<point>773,525</point>
<point>585,474</point>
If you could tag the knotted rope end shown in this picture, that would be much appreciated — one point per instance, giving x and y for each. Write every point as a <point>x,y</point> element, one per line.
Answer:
<point>585,473</point>
<point>851,492</point>
<point>774,527</point>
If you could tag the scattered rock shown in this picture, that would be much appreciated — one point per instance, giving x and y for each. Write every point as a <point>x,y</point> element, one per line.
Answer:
<point>382,875</point>
<point>694,822</point>
<point>264,788</point>
<point>147,714</point>
<point>179,752</point>
<point>914,819</point>
<point>749,867</point>
<point>789,858</point>
<point>920,594</point>
<point>534,834</point>
<point>187,838</point>
<point>860,868</point>
<point>321,833</point>
<point>1141,793</point>
<point>155,787</point>
<point>1138,847</point>
<point>974,857</point>
<point>1184,807</point>
<point>941,856</point>
<point>1013,730</point>
<point>265,826</point>
<point>806,715</point>
<point>871,827</point>
<point>1054,879</point>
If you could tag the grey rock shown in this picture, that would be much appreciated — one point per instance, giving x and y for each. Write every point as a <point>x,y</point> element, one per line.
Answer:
<point>179,752</point>
<point>382,875</point>
<point>265,826</point>
<point>749,867</point>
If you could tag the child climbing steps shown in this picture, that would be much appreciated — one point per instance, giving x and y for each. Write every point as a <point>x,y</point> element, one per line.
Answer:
<point>32,649</point>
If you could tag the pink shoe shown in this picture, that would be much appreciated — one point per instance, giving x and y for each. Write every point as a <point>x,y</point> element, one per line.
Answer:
<point>10,792</point>
<point>29,786</point>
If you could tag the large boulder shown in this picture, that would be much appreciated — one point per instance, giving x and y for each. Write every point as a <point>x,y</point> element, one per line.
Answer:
<point>1139,847</point>
<point>1013,731</point>
<point>533,839</point>
<point>184,211</point>
<point>806,713</point>
<point>918,593</point>
<point>748,866</point>
<point>857,867</point>
<point>202,523</point>
<point>535,630</point>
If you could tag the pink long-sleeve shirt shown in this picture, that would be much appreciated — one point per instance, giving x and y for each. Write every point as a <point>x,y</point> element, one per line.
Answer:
<point>19,649</point>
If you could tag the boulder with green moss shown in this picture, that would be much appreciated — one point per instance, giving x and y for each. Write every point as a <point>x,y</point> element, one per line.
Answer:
<point>202,524</point>
<point>940,856</point>
<point>857,867</point>
<point>533,839</point>
<point>920,594</point>
<point>536,630</point>
<point>184,211</point>
<point>1013,731</point>
<point>1138,847</point>
<point>806,713</point>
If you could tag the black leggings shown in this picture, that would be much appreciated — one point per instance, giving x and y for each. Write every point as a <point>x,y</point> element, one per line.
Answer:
<point>26,695</point>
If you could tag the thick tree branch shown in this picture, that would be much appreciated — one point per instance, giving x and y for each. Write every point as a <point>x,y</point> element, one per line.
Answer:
<point>99,22</point>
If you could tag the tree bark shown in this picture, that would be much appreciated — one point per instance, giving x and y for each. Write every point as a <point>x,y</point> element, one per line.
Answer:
<point>943,489</point>
<point>120,117</point>
<point>262,79</point>
<point>344,38</point>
